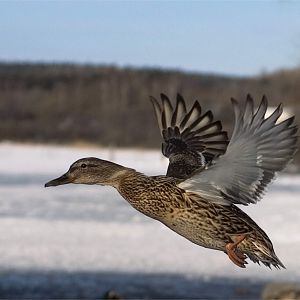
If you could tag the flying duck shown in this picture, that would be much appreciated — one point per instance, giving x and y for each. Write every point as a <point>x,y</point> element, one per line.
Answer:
<point>207,176</point>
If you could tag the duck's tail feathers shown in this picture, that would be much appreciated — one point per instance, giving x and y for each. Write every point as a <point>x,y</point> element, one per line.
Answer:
<point>268,259</point>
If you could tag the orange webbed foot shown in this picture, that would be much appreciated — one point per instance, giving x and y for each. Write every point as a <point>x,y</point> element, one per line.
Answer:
<point>236,256</point>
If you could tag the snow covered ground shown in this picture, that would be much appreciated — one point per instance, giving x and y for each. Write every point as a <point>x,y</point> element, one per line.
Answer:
<point>79,241</point>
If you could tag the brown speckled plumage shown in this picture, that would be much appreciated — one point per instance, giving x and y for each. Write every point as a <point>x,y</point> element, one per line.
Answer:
<point>201,207</point>
<point>204,223</point>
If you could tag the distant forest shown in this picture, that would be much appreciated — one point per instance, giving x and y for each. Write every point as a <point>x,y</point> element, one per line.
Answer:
<point>109,106</point>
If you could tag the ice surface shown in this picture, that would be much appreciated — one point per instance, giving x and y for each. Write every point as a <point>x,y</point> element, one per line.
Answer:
<point>77,228</point>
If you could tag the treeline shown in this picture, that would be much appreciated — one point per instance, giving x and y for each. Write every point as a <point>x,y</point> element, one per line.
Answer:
<point>106,105</point>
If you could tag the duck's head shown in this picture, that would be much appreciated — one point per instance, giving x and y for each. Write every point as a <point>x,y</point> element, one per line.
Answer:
<point>89,170</point>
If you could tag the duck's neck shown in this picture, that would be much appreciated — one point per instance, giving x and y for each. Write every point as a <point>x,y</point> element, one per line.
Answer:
<point>134,187</point>
<point>118,176</point>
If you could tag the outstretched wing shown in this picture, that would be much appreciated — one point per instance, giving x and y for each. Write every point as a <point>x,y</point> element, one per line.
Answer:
<point>190,139</point>
<point>259,147</point>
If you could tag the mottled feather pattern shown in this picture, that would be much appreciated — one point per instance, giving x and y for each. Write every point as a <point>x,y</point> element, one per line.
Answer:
<point>201,221</point>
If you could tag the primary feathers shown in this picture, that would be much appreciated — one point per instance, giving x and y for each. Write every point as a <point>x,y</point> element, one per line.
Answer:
<point>259,147</point>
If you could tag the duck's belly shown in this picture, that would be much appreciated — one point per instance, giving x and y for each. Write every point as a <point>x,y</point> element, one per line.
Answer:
<point>199,231</point>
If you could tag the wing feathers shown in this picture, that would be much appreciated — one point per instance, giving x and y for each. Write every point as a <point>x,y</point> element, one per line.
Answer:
<point>189,128</point>
<point>248,111</point>
<point>193,136</point>
<point>179,112</point>
<point>259,148</point>
<point>191,116</point>
<point>158,112</point>
<point>167,109</point>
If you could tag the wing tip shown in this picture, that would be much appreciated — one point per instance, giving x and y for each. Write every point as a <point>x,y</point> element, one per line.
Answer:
<point>264,99</point>
<point>154,100</point>
<point>163,96</point>
<point>234,101</point>
<point>249,97</point>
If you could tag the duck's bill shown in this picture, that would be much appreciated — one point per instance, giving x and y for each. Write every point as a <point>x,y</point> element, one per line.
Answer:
<point>64,179</point>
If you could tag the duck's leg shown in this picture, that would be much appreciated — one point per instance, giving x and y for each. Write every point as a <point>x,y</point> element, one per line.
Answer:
<point>236,256</point>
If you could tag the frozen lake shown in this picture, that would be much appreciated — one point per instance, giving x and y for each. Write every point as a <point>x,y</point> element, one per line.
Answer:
<point>80,241</point>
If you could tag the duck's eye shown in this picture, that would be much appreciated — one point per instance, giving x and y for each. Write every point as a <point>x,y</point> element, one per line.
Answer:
<point>83,165</point>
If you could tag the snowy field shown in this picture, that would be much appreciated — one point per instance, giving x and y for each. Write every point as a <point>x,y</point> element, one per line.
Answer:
<point>81,241</point>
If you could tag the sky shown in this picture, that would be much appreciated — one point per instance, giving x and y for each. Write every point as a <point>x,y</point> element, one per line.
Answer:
<point>224,37</point>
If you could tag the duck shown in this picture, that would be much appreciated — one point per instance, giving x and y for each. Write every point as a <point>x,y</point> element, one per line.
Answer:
<point>208,175</point>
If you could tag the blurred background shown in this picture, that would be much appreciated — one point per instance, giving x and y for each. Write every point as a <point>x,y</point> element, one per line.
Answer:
<point>75,81</point>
